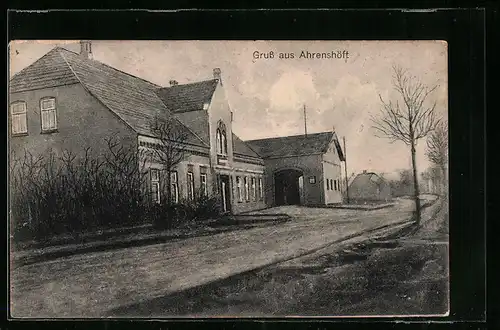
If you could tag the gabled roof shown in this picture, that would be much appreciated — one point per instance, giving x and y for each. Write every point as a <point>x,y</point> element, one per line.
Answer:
<point>132,99</point>
<point>242,148</point>
<point>197,122</point>
<point>339,148</point>
<point>188,97</point>
<point>48,71</point>
<point>296,145</point>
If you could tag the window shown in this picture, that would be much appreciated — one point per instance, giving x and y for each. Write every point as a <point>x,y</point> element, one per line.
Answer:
<point>155,185</point>
<point>254,190</point>
<point>190,186</point>
<point>239,188</point>
<point>18,118</point>
<point>48,114</point>
<point>247,192</point>
<point>261,189</point>
<point>221,139</point>
<point>327,184</point>
<point>203,184</point>
<point>335,184</point>
<point>174,187</point>
<point>224,142</point>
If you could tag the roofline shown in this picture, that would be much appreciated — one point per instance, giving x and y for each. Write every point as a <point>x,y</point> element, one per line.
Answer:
<point>370,174</point>
<point>187,84</point>
<point>297,155</point>
<point>339,149</point>
<point>297,135</point>
<point>175,112</point>
<point>58,48</point>
<point>171,114</point>
<point>186,143</point>
<point>33,89</point>
<point>95,96</point>
<point>38,59</point>
<point>247,156</point>
<point>249,147</point>
<point>111,67</point>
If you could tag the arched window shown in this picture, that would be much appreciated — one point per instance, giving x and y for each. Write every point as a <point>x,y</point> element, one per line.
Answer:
<point>221,139</point>
<point>224,143</point>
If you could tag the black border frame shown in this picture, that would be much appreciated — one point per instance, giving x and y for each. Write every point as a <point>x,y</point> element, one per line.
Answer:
<point>463,29</point>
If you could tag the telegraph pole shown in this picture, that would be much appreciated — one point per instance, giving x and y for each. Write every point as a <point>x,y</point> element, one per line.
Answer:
<point>305,121</point>
<point>346,177</point>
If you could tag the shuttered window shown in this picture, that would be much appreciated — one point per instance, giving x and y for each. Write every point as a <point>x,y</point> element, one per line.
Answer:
<point>48,114</point>
<point>18,118</point>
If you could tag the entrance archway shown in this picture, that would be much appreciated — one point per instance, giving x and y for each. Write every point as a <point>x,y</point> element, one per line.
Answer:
<point>288,187</point>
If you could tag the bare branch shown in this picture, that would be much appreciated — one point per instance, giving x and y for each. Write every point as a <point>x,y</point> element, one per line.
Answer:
<point>437,144</point>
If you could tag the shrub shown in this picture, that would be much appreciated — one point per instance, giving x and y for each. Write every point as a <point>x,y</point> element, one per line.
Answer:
<point>205,207</point>
<point>202,208</point>
<point>71,193</point>
<point>168,216</point>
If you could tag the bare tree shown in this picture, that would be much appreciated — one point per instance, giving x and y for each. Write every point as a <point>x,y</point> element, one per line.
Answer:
<point>171,148</point>
<point>408,122</point>
<point>437,149</point>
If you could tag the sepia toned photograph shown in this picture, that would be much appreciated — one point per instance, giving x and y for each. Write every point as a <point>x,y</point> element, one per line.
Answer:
<point>228,179</point>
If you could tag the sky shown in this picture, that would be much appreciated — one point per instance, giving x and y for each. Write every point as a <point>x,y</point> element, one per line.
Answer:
<point>267,95</point>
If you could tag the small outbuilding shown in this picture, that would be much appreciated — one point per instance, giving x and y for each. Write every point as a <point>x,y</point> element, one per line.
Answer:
<point>369,187</point>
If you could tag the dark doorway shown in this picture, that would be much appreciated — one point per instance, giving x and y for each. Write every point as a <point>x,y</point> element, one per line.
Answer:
<point>288,187</point>
<point>225,193</point>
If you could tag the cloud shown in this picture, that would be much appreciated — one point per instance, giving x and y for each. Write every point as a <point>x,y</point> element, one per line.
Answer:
<point>292,90</point>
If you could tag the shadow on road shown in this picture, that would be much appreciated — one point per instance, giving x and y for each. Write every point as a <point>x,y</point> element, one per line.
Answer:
<point>376,278</point>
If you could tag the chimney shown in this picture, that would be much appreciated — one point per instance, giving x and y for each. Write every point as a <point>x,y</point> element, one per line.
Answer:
<point>217,74</point>
<point>173,83</point>
<point>86,49</point>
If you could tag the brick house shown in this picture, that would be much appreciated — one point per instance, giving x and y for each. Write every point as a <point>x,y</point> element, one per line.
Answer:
<point>68,101</point>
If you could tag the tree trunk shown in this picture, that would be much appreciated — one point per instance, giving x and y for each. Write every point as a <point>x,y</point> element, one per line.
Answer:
<point>168,188</point>
<point>416,189</point>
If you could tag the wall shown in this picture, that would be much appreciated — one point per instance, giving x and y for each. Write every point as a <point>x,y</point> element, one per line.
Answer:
<point>219,110</point>
<point>182,170</point>
<point>333,172</point>
<point>310,166</point>
<point>239,169</point>
<point>332,169</point>
<point>196,161</point>
<point>249,170</point>
<point>82,121</point>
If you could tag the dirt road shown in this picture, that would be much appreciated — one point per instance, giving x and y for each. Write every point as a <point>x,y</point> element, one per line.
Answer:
<point>89,285</point>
